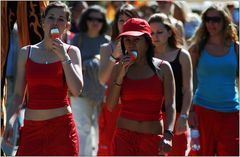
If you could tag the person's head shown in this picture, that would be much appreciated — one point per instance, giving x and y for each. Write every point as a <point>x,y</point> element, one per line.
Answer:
<point>136,35</point>
<point>148,9</point>
<point>125,12</point>
<point>165,6</point>
<point>163,32</point>
<point>76,8</point>
<point>93,19</point>
<point>216,21</point>
<point>181,11</point>
<point>56,14</point>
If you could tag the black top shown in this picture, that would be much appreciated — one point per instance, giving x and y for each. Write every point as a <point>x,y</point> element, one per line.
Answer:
<point>177,71</point>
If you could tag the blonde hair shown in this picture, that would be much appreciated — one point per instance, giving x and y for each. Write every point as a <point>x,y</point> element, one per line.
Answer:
<point>201,35</point>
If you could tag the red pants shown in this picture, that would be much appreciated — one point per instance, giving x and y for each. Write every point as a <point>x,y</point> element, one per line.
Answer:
<point>179,142</point>
<point>53,137</point>
<point>219,132</point>
<point>130,143</point>
<point>107,126</point>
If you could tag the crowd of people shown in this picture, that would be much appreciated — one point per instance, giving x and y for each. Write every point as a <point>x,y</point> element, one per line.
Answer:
<point>141,82</point>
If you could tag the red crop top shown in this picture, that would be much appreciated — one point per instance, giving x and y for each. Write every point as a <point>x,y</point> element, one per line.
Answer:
<point>46,86</point>
<point>142,99</point>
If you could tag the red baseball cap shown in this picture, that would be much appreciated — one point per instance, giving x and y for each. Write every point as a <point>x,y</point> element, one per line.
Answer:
<point>135,27</point>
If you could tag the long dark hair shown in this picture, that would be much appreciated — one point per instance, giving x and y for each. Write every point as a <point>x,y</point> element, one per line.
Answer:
<point>126,9</point>
<point>149,53</point>
<point>83,21</point>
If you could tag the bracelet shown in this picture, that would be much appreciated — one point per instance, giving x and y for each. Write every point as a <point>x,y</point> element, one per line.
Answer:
<point>113,59</point>
<point>117,84</point>
<point>67,61</point>
<point>184,116</point>
<point>169,132</point>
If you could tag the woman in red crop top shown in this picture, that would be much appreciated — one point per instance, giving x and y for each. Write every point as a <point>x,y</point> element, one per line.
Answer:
<point>109,56</point>
<point>47,70</point>
<point>142,83</point>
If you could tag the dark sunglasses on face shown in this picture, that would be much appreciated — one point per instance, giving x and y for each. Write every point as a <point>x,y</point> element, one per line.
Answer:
<point>100,20</point>
<point>215,19</point>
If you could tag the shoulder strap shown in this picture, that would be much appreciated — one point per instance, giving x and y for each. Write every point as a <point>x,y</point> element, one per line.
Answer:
<point>29,51</point>
<point>236,48</point>
<point>179,51</point>
<point>69,48</point>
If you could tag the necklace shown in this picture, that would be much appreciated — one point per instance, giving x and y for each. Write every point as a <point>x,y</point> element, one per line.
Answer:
<point>45,59</point>
<point>45,56</point>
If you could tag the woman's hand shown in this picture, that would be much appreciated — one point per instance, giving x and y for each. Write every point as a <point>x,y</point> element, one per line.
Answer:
<point>193,121</point>
<point>166,143</point>
<point>8,134</point>
<point>125,63</point>
<point>117,52</point>
<point>59,50</point>
<point>181,125</point>
<point>165,146</point>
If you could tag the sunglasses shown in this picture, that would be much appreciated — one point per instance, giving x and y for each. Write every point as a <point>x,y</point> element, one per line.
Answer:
<point>214,19</point>
<point>100,20</point>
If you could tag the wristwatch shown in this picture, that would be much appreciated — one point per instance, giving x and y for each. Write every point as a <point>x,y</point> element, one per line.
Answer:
<point>184,116</point>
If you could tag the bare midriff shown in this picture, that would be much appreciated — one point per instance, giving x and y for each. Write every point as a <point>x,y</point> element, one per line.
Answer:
<point>38,115</point>
<point>151,127</point>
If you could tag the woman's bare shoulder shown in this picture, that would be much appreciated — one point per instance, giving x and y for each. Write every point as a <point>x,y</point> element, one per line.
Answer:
<point>159,63</point>
<point>106,48</point>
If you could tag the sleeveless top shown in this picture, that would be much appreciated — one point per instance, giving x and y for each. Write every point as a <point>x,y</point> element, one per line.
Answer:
<point>177,71</point>
<point>216,76</point>
<point>142,99</point>
<point>46,85</point>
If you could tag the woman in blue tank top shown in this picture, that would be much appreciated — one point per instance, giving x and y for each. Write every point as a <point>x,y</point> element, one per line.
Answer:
<point>215,112</point>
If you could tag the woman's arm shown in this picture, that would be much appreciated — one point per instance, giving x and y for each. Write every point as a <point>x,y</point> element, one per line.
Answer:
<point>106,65</point>
<point>169,99</point>
<point>236,45</point>
<point>18,95</point>
<point>114,88</point>
<point>117,77</point>
<point>185,61</point>
<point>73,72</point>
<point>72,65</point>
<point>192,120</point>
<point>169,95</point>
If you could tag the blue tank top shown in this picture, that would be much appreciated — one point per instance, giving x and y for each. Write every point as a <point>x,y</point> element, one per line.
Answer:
<point>216,77</point>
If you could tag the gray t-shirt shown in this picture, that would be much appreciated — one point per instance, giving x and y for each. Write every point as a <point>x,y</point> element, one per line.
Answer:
<point>89,47</point>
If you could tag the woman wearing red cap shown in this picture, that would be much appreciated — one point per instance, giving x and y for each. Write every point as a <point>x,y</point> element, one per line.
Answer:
<point>109,56</point>
<point>47,70</point>
<point>142,83</point>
